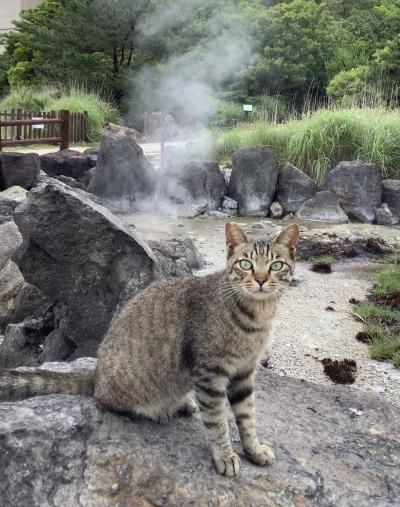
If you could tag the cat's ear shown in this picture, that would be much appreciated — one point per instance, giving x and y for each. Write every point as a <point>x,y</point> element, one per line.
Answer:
<point>289,237</point>
<point>235,235</point>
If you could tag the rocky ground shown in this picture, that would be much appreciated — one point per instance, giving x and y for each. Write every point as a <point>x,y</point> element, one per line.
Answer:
<point>68,264</point>
<point>305,331</point>
<point>335,447</point>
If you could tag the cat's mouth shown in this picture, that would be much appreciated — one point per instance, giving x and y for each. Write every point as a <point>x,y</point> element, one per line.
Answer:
<point>263,291</point>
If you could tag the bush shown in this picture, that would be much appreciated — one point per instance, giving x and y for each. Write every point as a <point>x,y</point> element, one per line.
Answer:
<point>349,86</point>
<point>100,111</point>
<point>320,140</point>
<point>27,98</point>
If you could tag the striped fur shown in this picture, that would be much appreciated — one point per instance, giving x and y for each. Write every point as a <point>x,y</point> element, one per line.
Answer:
<point>189,339</point>
<point>24,383</point>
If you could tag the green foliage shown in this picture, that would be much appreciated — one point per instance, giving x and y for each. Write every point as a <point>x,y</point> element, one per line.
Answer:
<point>382,324</point>
<point>28,98</point>
<point>349,85</point>
<point>323,260</point>
<point>75,98</point>
<point>393,258</point>
<point>229,110</point>
<point>318,141</point>
<point>303,49</point>
<point>376,314</point>
<point>388,281</point>
<point>99,110</point>
<point>384,349</point>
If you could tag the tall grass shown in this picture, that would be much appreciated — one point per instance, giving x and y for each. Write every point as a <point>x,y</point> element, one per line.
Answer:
<point>319,140</point>
<point>75,98</point>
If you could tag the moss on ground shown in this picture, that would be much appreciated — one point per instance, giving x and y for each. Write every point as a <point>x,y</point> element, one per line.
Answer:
<point>381,314</point>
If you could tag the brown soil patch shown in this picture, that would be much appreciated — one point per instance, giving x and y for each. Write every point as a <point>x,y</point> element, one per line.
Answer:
<point>322,268</point>
<point>363,337</point>
<point>340,372</point>
<point>391,299</point>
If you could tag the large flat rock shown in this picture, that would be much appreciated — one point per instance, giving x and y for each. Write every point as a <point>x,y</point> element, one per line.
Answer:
<point>68,451</point>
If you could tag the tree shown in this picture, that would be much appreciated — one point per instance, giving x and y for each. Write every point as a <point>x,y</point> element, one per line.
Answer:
<point>78,40</point>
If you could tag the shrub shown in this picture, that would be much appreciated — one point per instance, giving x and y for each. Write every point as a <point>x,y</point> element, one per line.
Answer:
<point>31,99</point>
<point>54,98</point>
<point>99,110</point>
<point>319,140</point>
<point>376,314</point>
<point>384,349</point>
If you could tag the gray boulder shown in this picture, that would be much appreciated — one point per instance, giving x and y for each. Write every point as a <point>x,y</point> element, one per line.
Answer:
<point>89,175</point>
<point>92,153</point>
<point>68,451</point>
<point>294,188</point>
<point>80,255</point>
<point>9,200</point>
<point>122,170</point>
<point>22,344</point>
<point>323,207</point>
<point>391,195</point>
<point>71,163</point>
<point>384,215</point>
<point>11,239</point>
<point>253,180</point>
<point>229,204</point>
<point>18,299</point>
<point>18,169</point>
<point>11,283</point>
<point>192,183</point>
<point>357,185</point>
<point>176,256</point>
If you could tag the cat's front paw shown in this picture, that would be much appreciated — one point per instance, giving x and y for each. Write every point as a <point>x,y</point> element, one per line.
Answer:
<point>227,463</point>
<point>261,455</point>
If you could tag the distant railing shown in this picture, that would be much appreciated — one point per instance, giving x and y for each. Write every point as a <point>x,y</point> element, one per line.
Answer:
<point>19,127</point>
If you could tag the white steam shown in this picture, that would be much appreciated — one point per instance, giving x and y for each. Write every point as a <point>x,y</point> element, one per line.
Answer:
<point>185,85</point>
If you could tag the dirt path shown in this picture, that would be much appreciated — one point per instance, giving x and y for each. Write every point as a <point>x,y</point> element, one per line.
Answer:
<point>305,332</point>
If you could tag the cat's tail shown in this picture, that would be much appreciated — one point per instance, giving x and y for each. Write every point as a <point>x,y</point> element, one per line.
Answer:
<point>24,383</point>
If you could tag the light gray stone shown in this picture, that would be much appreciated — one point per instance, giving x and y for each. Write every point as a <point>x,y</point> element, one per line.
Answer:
<point>294,188</point>
<point>391,195</point>
<point>323,207</point>
<point>357,186</point>
<point>384,215</point>
<point>9,200</point>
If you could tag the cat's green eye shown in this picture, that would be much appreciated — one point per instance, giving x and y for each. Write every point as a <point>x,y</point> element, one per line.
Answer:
<point>276,266</point>
<point>244,264</point>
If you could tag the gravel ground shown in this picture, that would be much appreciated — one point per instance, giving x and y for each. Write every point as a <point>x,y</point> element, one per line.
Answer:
<point>305,332</point>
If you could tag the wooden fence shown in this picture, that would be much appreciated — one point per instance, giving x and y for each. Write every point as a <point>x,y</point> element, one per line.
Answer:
<point>19,127</point>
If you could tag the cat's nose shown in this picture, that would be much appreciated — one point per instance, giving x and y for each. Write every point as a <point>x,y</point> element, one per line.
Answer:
<point>260,281</point>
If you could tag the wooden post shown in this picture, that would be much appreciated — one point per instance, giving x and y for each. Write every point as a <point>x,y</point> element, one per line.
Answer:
<point>85,126</point>
<point>64,116</point>
<point>19,128</point>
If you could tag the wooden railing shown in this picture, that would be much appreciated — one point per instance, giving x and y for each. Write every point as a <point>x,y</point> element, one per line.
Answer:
<point>19,127</point>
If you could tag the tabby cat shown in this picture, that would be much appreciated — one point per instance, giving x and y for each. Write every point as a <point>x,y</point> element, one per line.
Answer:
<point>186,339</point>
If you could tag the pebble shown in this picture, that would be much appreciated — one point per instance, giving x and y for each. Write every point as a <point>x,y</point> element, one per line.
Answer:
<point>355,411</point>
